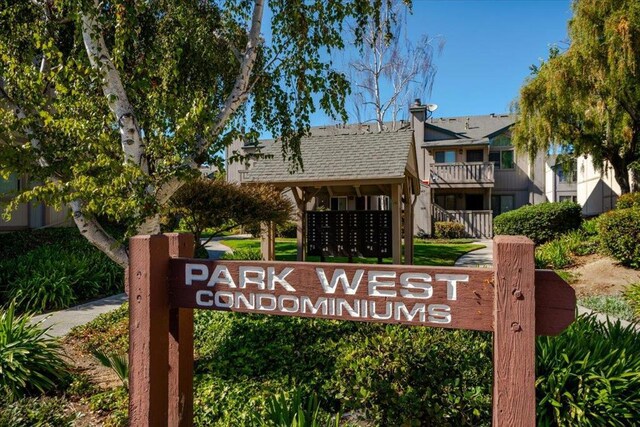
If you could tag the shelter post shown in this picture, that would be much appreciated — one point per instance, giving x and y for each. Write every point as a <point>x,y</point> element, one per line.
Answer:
<point>514,397</point>
<point>301,203</point>
<point>180,346</point>
<point>408,224</point>
<point>148,330</point>
<point>396,223</point>
<point>268,241</point>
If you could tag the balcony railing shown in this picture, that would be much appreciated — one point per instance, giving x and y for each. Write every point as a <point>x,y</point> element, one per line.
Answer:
<point>449,175</point>
<point>478,224</point>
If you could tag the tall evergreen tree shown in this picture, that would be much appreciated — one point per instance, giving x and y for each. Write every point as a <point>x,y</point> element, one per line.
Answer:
<point>587,98</point>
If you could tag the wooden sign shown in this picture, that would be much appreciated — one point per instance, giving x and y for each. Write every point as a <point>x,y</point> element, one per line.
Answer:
<point>512,300</point>
<point>457,298</point>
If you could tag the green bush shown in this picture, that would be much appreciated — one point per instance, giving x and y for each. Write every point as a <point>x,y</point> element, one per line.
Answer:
<point>632,297</point>
<point>449,230</point>
<point>555,254</point>
<point>540,223</point>
<point>629,200</point>
<point>52,269</point>
<point>288,229</point>
<point>55,277</point>
<point>248,254</point>
<point>589,375</point>
<point>619,235</point>
<point>415,376</point>
<point>391,374</point>
<point>30,361</point>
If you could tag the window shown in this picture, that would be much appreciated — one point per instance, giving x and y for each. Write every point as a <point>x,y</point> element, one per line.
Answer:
<point>10,184</point>
<point>446,201</point>
<point>503,159</point>
<point>500,141</point>
<point>475,155</point>
<point>567,198</point>
<point>445,157</point>
<point>568,177</point>
<point>502,204</point>
<point>338,203</point>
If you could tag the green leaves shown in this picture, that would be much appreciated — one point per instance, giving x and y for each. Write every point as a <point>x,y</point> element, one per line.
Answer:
<point>30,361</point>
<point>587,98</point>
<point>589,375</point>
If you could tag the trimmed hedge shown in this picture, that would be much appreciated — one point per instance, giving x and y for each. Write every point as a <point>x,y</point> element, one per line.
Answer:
<point>620,235</point>
<point>629,200</point>
<point>449,230</point>
<point>540,223</point>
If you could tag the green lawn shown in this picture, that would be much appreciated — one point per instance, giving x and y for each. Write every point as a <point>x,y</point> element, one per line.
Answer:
<point>425,253</point>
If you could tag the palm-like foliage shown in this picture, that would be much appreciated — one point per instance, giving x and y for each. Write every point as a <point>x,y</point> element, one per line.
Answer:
<point>30,360</point>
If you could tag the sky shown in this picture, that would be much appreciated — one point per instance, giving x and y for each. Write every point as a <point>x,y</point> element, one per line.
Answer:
<point>489,47</point>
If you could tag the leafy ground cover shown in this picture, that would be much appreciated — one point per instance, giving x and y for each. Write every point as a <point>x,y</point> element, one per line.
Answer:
<point>387,374</point>
<point>51,269</point>
<point>425,252</point>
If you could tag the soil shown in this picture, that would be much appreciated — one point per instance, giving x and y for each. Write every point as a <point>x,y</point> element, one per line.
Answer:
<point>601,275</point>
<point>101,377</point>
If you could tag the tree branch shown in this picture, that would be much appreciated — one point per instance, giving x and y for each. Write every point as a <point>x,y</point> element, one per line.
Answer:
<point>113,89</point>
<point>239,93</point>
<point>96,235</point>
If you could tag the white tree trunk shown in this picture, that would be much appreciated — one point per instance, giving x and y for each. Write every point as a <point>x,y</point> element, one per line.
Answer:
<point>113,89</point>
<point>93,232</point>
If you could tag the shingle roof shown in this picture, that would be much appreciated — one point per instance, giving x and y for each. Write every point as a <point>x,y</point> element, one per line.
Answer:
<point>355,156</point>
<point>479,126</point>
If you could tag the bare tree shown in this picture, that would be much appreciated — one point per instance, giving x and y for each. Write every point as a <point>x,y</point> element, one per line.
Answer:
<point>391,69</point>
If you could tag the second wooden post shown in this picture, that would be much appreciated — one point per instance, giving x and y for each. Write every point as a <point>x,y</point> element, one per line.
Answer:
<point>514,327</point>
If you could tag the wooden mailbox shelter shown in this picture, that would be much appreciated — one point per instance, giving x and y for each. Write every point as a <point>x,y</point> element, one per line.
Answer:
<point>512,300</point>
<point>352,165</point>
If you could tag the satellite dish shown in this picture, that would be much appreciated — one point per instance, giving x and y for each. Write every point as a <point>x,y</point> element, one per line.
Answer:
<point>432,107</point>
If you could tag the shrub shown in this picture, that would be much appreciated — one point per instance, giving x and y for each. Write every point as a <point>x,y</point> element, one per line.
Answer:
<point>632,296</point>
<point>294,410</point>
<point>56,276</point>
<point>30,361</point>
<point>554,254</point>
<point>288,229</point>
<point>415,376</point>
<point>248,254</point>
<point>589,375</point>
<point>629,200</point>
<point>449,230</point>
<point>620,234</point>
<point>540,223</point>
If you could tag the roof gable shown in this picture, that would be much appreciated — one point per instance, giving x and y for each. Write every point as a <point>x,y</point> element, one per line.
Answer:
<point>343,157</point>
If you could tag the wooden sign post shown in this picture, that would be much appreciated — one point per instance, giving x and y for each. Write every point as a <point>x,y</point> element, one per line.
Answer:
<point>512,300</point>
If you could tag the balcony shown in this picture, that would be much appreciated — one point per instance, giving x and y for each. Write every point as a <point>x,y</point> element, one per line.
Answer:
<point>461,175</point>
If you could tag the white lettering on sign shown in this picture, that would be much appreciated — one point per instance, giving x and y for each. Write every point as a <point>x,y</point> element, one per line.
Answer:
<point>377,284</point>
<point>416,285</point>
<point>249,291</point>
<point>195,272</point>
<point>452,283</point>
<point>226,278</point>
<point>339,275</point>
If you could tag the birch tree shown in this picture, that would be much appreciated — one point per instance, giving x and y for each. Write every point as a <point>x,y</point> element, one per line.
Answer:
<point>110,106</point>
<point>391,69</point>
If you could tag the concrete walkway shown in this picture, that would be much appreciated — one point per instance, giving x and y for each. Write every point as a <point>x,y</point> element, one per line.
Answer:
<point>61,322</point>
<point>478,258</point>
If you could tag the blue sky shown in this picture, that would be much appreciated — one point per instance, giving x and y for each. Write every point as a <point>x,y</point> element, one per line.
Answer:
<point>489,46</point>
